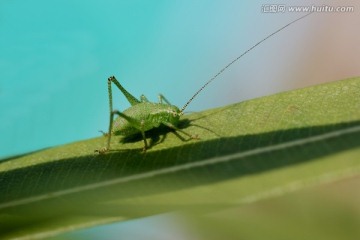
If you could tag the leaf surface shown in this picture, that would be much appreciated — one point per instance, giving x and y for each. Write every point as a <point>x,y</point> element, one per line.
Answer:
<point>247,151</point>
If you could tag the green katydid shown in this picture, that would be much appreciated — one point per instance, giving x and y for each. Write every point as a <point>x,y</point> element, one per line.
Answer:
<point>143,115</point>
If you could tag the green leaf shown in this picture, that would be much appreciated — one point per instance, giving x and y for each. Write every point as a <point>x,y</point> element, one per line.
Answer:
<point>248,151</point>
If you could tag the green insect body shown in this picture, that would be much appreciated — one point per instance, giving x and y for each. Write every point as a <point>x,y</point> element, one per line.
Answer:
<point>152,114</point>
<point>143,115</point>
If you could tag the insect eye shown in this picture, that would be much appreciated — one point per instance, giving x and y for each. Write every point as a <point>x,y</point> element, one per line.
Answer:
<point>174,113</point>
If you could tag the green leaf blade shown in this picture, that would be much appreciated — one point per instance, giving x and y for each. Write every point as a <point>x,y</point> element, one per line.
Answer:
<point>285,141</point>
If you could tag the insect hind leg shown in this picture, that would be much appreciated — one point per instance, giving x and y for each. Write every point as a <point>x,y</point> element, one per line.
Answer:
<point>132,100</point>
<point>135,123</point>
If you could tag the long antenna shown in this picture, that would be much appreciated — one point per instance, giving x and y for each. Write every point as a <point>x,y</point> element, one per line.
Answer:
<point>233,61</point>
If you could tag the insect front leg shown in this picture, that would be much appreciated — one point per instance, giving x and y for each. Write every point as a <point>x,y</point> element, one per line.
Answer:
<point>172,126</point>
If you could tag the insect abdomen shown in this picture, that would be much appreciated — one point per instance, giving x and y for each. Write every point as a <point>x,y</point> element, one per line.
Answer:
<point>149,116</point>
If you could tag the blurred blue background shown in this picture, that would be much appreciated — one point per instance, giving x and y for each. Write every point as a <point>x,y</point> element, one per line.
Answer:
<point>55,57</point>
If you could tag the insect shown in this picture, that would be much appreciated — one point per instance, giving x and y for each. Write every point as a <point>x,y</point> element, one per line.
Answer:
<point>143,115</point>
